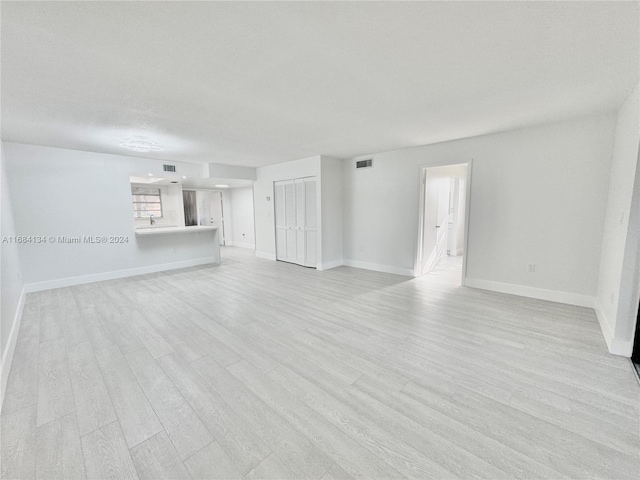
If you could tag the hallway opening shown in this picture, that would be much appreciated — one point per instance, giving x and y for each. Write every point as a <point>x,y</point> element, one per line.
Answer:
<point>442,233</point>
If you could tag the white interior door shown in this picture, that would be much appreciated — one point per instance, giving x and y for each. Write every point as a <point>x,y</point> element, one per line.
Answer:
<point>290,221</point>
<point>210,210</point>
<point>454,202</point>
<point>431,195</point>
<point>295,218</point>
<point>285,215</point>
<point>436,214</point>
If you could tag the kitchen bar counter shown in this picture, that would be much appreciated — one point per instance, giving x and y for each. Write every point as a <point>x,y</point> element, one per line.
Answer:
<point>168,230</point>
<point>181,241</point>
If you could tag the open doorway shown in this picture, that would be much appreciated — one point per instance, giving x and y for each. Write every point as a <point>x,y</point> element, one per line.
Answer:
<point>442,233</point>
<point>211,210</point>
<point>204,208</point>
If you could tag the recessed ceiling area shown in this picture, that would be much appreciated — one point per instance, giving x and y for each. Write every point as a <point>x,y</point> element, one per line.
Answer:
<point>254,83</point>
<point>190,182</point>
<point>216,183</point>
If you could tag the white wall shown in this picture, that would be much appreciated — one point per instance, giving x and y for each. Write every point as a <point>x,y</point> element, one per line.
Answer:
<point>630,284</point>
<point>263,189</point>
<point>538,195</point>
<point>617,299</point>
<point>11,282</point>
<point>242,228</point>
<point>331,207</point>
<point>58,192</point>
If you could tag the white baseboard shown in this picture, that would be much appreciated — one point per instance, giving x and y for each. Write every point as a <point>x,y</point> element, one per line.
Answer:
<point>615,345</point>
<point>252,246</point>
<point>621,347</point>
<point>531,292</point>
<point>131,272</point>
<point>266,256</point>
<point>407,272</point>
<point>331,264</point>
<point>7,357</point>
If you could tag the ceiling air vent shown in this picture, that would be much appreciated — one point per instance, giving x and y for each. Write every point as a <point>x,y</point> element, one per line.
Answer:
<point>364,163</point>
<point>169,168</point>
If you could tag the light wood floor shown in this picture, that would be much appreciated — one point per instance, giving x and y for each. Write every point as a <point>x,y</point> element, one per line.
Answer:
<point>257,369</point>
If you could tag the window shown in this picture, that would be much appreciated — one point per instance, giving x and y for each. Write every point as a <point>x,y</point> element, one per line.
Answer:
<point>146,202</point>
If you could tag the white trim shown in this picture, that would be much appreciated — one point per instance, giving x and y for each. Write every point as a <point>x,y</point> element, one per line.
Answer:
<point>624,348</point>
<point>231,243</point>
<point>131,272</point>
<point>616,346</point>
<point>532,292</point>
<point>467,221</point>
<point>328,265</point>
<point>407,272</point>
<point>417,267</point>
<point>7,357</point>
<point>266,256</point>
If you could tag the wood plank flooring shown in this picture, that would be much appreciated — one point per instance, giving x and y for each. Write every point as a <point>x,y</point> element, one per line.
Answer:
<point>256,369</point>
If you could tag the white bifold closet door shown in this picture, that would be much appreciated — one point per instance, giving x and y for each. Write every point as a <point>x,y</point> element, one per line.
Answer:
<point>296,221</point>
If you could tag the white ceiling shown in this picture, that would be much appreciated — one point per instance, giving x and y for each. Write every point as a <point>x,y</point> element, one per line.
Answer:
<point>260,83</point>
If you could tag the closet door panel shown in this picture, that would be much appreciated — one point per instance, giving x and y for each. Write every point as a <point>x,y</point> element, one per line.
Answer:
<point>289,204</point>
<point>310,206</point>
<point>291,246</point>
<point>300,202</point>
<point>300,247</point>
<point>281,244</point>
<point>278,195</point>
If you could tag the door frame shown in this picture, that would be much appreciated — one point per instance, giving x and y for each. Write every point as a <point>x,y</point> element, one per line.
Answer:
<point>467,200</point>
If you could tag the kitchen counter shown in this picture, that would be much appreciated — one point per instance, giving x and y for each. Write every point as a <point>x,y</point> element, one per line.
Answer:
<point>182,243</point>
<point>169,230</point>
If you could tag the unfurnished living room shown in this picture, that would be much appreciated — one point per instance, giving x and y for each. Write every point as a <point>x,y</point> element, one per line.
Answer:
<point>320,240</point>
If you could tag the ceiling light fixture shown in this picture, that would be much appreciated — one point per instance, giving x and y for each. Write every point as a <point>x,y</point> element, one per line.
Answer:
<point>141,144</point>
<point>221,186</point>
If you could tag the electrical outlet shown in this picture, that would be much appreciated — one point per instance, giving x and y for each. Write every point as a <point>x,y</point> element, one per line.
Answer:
<point>243,235</point>
<point>531,268</point>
